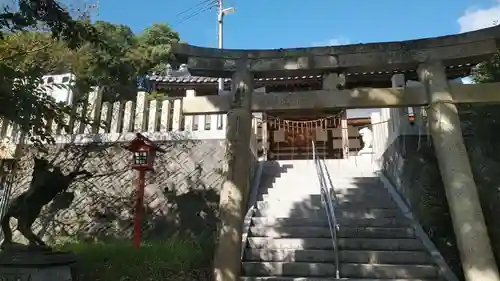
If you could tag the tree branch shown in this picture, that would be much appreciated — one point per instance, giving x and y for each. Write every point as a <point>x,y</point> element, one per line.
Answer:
<point>27,52</point>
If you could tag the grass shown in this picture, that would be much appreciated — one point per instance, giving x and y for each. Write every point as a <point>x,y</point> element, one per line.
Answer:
<point>174,259</point>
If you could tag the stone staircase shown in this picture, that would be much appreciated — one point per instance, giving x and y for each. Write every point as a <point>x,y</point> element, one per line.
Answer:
<point>289,237</point>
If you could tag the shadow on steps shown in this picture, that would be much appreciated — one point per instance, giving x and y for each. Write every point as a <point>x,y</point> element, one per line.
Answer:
<point>290,236</point>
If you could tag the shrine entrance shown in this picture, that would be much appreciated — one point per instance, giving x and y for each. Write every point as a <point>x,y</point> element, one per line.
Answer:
<point>290,135</point>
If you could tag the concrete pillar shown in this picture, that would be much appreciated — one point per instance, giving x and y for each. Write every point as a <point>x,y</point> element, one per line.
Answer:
<point>265,136</point>
<point>177,115</point>
<point>128,119</point>
<point>220,118</point>
<point>154,110</point>
<point>345,135</point>
<point>191,121</point>
<point>227,261</point>
<point>473,242</point>
<point>165,116</point>
<point>398,81</point>
<point>116,117</point>
<point>93,110</point>
<point>105,109</point>
<point>140,112</point>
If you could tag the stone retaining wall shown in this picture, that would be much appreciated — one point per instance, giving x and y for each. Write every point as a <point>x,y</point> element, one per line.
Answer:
<point>412,166</point>
<point>182,195</point>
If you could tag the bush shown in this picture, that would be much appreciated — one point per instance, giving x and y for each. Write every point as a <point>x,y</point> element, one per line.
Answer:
<point>174,259</point>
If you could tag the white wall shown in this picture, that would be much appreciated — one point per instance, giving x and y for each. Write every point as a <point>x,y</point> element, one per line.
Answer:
<point>59,87</point>
<point>361,112</point>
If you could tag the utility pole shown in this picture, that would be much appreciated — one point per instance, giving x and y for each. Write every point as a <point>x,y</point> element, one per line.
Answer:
<point>221,12</point>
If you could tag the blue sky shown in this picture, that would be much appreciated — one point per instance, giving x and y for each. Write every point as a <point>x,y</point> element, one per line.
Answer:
<point>292,23</point>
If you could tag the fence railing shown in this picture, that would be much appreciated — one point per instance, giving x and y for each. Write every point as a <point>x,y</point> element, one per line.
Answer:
<point>119,120</point>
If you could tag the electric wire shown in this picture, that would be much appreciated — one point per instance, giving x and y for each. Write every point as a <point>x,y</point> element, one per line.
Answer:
<point>194,6</point>
<point>208,6</point>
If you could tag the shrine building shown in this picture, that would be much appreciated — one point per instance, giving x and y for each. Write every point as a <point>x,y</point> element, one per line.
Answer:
<point>287,135</point>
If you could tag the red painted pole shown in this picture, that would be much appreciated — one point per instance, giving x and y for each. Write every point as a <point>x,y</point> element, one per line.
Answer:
<point>139,209</point>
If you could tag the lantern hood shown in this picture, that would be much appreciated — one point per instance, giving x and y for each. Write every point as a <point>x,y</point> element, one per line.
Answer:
<point>141,141</point>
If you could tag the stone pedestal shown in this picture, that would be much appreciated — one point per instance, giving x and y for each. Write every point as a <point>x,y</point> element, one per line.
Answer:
<point>24,264</point>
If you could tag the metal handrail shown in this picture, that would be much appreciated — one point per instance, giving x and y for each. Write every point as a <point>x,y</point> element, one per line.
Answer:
<point>327,195</point>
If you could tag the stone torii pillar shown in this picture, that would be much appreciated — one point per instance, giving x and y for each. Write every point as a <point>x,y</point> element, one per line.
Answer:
<point>470,229</point>
<point>227,260</point>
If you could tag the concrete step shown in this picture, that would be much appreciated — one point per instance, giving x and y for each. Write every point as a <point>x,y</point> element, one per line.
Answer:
<point>328,256</point>
<point>337,177</point>
<point>367,204</point>
<point>281,278</point>
<point>316,197</point>
<point>400,244</point>
<point>299,269</point>
<point>311,222</point>
<point>312,177</point>
<point>351,172</point>
<point>305,205</point>
<point>324,232</point>
<point>358,183</point>
<point>288,269</point>
<point>315,200</point>
<point>340,192</point>
<point>311,185</point>
<point>357,180</point>
<point>279,172</point>
<point>310,180</point>
<point>388,271</point>
<point>353,161</point>
<point>317,212</point>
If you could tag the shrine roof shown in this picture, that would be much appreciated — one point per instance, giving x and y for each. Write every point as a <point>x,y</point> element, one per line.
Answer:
<point>186,78</point>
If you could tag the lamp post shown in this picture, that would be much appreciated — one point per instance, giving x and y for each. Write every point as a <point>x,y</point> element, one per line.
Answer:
<point>144,153</point>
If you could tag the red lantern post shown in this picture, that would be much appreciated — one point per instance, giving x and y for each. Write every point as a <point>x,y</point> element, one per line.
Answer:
<point>144,152</point>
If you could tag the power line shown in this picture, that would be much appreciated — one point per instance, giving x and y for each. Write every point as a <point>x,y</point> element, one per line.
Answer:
<point>207,6</point>
<point>199,11</point>
<point>193,15</point>
<point>195,6</point>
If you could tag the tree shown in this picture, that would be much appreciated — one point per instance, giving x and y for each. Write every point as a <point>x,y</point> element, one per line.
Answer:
<point>155,46</point>
<point>21,100</point>
<point>39,37</point>
<point>126,57</point>
<point>488,71</point>
<point>23,60</point>
<point>48,15</point>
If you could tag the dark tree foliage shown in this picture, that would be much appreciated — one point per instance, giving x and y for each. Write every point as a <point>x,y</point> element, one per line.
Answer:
<point>488,71</point>
<point>42,37</point>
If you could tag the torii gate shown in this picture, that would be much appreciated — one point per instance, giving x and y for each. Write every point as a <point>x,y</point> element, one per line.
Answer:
<point>431,58</point>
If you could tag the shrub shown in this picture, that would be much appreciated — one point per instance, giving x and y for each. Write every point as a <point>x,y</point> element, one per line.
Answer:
<point>174,259</point>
